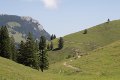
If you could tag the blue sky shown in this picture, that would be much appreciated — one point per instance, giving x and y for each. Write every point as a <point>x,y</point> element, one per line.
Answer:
<point>62,17</point>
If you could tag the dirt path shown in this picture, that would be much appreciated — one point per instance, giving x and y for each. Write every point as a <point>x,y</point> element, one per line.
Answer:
<point>70,66</point>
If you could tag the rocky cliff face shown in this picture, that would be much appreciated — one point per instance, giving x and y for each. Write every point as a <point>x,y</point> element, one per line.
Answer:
<point>19,27</point>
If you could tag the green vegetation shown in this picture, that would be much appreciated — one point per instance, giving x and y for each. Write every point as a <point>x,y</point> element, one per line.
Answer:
<point>101,64</point>
<point>28,53</point>
<point>60,43</point>
<point>44,64</point>
<point>13,49</point>
<point>91,56</point>
<point>5,48</point>
<point>96,37</point>
<point>10,70</point>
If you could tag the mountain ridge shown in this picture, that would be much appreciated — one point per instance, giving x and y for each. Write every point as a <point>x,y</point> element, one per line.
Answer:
<point>22,25</point>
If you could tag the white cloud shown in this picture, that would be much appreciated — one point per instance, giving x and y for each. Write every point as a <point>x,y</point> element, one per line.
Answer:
<point>51,4</point>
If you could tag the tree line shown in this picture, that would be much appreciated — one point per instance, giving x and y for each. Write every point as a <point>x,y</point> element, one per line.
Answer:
<point>30,53</point>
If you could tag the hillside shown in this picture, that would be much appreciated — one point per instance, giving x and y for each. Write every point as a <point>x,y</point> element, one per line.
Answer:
<point>10,70</point>
<point>100,64</point>
<point>20,26</point>
<point>97,36</point>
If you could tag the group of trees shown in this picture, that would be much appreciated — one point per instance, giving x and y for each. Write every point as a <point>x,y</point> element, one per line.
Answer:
<point>50,46</point>
<point>30,53</point>
<point>53,36</point>
<point>7,47</point>
<point>60,44</point>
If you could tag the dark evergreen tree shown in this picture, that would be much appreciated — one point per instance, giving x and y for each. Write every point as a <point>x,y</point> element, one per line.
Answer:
<point>85,31</point>
<point>5,50</point>
<point>108,20</point>
<point>43,54</point>
<point>21,53</point>
<point>60,43</point>
<point>13,49</point>
<point>54,37</point>
<point>51,46</point>
<point>0,41</point>
<point>36,45</point>
<point>28,53</point>
<point>36,56</point>
<point>48,47</point>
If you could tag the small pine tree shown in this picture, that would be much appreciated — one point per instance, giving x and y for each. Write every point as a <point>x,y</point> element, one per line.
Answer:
<point>48,47</point>
<point>43,55</point>
<point>85,31</point>
<point>51,46</point>
<point>108,20</point>
<point>54,36</point>
<point>60,43</point>
<point>5,50</point>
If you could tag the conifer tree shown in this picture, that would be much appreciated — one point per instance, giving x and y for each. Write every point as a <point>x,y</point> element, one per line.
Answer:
<point>36,45</point>
<point>30,52</point>
<point>43,54</point>
<point>48,47</point>
<point>4,43</point>
<point>0,41</point>
<point>20,56</point>
<point>13,49</point>
<point>85,31</point>
<point>51,46</point>
<point>60,43</point>
<point>108,20</point>
<point>54,36</point>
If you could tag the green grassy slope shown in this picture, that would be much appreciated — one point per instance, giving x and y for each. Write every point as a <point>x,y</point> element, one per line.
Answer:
<point>10,70</point>
<point>96,37</point>
<point>103,62</point>
<point>100,64</point>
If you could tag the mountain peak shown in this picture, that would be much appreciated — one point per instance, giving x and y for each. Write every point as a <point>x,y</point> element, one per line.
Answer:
<point>20,26</point>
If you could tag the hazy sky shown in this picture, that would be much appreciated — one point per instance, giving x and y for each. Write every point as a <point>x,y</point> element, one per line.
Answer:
<point>63,17</point>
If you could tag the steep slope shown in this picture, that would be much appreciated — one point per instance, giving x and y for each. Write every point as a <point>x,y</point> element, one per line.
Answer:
<point>79,43</point>
<point>19,27</point>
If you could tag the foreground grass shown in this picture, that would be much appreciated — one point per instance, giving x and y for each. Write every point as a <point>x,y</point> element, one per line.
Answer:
<point>10,70</point>
<point>100,64</point>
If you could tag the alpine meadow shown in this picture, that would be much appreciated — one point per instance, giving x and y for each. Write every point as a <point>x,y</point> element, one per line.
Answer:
<point>59,40</point>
